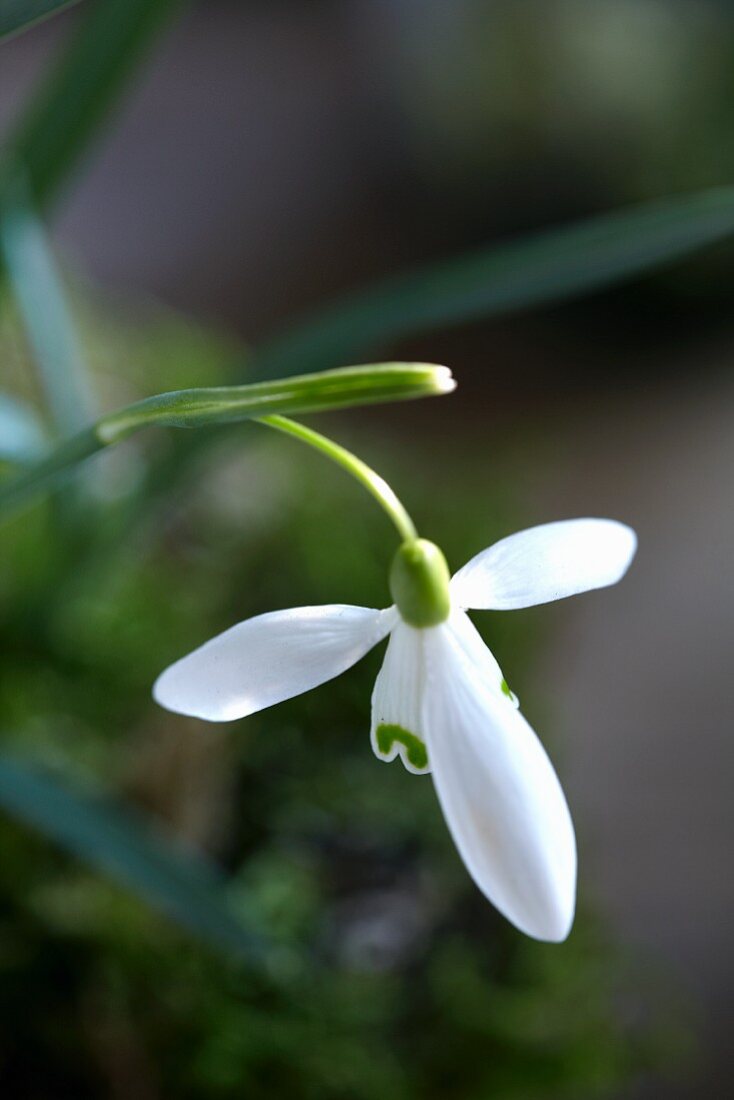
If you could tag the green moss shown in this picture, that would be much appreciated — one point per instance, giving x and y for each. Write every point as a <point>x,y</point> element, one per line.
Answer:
<point>388,734</point>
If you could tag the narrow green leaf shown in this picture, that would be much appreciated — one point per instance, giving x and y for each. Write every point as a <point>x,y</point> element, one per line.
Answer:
<point>18,15</point>
<point>336,389</point>
<point>533,271</point>
<point>119,843</point>
<point>22,437</point>
<point>37,287</point>
<point>81,89</point>
<point>48,470</point>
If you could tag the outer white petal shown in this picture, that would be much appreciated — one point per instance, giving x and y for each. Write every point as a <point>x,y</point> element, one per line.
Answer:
<point>499,794</point>
<point>269,658</point>
<point>397,701</point>
<point>546,563</point>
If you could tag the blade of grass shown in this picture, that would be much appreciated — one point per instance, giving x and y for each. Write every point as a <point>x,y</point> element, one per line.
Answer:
<point>37,287</point>
<point>22,439</point>
<point>549,267</point>
<point>81,89</point>
<point>537,270</point>
<point>19,15</point>
<point>123,845</point>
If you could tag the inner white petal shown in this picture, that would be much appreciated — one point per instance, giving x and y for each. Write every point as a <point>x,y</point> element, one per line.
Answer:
<point>397,724</point>
<point>479,654</point>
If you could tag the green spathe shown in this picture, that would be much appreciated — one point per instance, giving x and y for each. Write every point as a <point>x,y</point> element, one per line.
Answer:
<point>263,402</point>
<point>419,583</point>
<point>388,734</point>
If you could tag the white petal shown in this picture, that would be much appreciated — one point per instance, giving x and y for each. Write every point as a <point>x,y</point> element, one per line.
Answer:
<point>269,658</point>
<point>397,725</point>
<point>499,794</point>
<point>471,642</point>
<point>546,563</point>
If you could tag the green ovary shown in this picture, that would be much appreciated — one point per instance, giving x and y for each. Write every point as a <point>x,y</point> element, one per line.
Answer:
<point>388,734</point>
<point>419,583</point>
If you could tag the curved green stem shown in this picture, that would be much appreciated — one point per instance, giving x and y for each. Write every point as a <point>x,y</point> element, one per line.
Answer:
<point>359,470</point>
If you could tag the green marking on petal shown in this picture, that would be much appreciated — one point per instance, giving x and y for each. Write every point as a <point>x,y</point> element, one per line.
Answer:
<point>506,689</point>
<point>388,734</point>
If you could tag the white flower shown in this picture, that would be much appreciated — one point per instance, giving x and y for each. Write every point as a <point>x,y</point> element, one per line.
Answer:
<point>440,701</point>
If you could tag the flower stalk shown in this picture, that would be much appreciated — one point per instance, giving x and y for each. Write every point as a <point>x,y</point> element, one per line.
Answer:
<point>359,470</point>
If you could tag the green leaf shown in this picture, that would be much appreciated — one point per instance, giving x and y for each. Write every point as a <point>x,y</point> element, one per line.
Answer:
<point>533,271</point>
<point>80,90</point>
<point>336,389</point>
<point>18,15</point>
<point>126,847</point>
<point>37,286</point>
<point>22,437</point>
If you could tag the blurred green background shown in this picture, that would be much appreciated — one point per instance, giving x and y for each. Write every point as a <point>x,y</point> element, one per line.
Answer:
<point>208,173</point>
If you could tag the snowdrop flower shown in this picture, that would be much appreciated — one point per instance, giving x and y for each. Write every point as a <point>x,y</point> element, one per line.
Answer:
<point>440,702</point>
